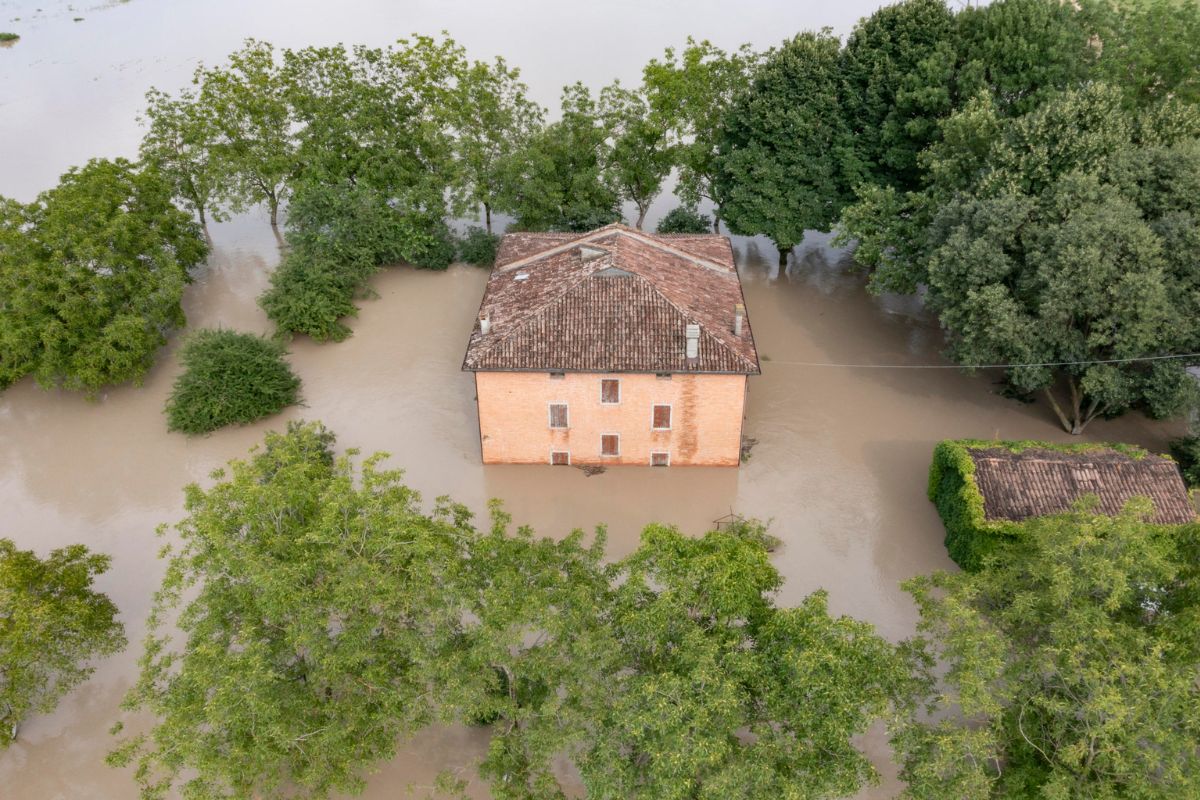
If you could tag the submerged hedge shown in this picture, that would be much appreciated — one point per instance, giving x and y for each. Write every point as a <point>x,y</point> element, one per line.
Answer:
<point>229,378</point>
<point>971,538</point>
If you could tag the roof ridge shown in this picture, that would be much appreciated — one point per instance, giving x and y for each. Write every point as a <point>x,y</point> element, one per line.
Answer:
<point>621,230</point>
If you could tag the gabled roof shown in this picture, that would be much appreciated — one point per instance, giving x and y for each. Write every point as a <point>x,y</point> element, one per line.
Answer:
<point>612,300</point>
<point>1038,481</point>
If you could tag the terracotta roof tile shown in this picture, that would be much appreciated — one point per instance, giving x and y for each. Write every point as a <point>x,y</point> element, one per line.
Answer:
<point>612,300</point>
<point>1037,481</point>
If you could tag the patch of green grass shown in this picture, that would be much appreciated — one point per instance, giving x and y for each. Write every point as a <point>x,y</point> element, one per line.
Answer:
<point>5,36</point>
<point>229,378</point>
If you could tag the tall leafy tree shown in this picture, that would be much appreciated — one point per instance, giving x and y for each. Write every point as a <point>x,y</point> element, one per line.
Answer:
<point>898,70</point>
<point>641,156</point>
<point>94,271</point>
<point>694,89</point>
<point>311,595</point>
<point>787,162</point>
<point>52,625</point>
<point>493,121</point>
<point>560,180</point>
<point>1071,665</point>
<point>719,693</point>
<point>181,143</point>
<point>1042,241</point>
<point>247,99</point>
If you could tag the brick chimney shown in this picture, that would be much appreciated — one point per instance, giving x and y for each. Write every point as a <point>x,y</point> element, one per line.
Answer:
<point>739,317</point>
<point>692,332</point>
<point>485,325</point>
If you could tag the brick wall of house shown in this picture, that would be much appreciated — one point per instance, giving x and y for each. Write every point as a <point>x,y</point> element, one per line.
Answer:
<point>706,418</point>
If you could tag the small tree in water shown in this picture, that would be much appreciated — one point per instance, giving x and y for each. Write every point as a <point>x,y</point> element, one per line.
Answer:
<point>683,219</point>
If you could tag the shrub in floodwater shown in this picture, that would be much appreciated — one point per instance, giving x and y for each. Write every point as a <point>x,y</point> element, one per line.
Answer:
<point>682,219</point>
<point>6,36</point>
<point>229,378</point>
<point>339,236</point>
<point>478,247</point>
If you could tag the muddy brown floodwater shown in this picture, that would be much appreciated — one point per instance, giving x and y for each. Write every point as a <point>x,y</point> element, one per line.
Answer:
<point>839,467</point>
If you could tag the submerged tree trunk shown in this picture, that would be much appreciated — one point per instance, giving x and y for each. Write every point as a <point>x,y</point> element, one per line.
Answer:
<point>1078,418</point>
<point>273,203</point>
<point>783,255</point>
<point>716,222</point>
<point>487,216</point>
<point>641,218</point>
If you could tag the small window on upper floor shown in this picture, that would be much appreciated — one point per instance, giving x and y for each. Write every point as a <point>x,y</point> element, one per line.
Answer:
<point>663,376</point>
<point>610,391</point>
<point>557,376</point>
<point>662,418</point>
<point>558,415</point>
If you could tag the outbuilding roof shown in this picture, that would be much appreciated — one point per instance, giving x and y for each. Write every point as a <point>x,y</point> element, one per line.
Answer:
<point>1038,481</point>
<point>612,300</point>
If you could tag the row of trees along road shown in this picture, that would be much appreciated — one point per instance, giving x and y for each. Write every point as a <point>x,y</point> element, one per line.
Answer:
<point>323,615</point>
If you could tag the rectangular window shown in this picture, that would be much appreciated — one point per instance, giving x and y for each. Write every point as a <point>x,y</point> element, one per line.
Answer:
<point>662,418</point>
<point>663,376</point>
<point>610,391</point>
<point>557,376</point>
<point>610,444</point>
<point>558,415</point>
<point>660,459</point>
<point>560,458</point>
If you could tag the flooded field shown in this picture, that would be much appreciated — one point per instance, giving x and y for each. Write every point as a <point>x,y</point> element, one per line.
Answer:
<point>839,467</point>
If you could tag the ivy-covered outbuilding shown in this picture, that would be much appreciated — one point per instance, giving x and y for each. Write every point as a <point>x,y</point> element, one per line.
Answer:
<point>985,490</point>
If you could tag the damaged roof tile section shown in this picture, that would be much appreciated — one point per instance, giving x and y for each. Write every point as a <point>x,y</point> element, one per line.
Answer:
<point>612,300</point>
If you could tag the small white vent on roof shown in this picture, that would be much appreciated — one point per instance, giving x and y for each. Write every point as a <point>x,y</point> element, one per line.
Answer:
<point>521,276</point>
<point>591,253</point>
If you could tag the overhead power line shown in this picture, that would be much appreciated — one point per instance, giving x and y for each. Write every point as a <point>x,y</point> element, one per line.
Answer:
<point>984,366</point>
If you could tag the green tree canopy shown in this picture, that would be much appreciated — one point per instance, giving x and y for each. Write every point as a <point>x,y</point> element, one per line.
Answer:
<point>91,275</point>
<point>181,142</point>
<point>787,161</point>
<point>493,122</point>
<point>683,219</point>
<point>1022,52</point>
<point>898,69</point>
<point>1071,666</point>
<point>1059,236</point>
<point>52,623</point>
<point>255,149</point>
<point>719,693</point>
<point>693,89</point>
<point>561,179</point>
<point>641,155</point>
<point>322,614</point>
<point>1148,48</point>
<point>312,596</point>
